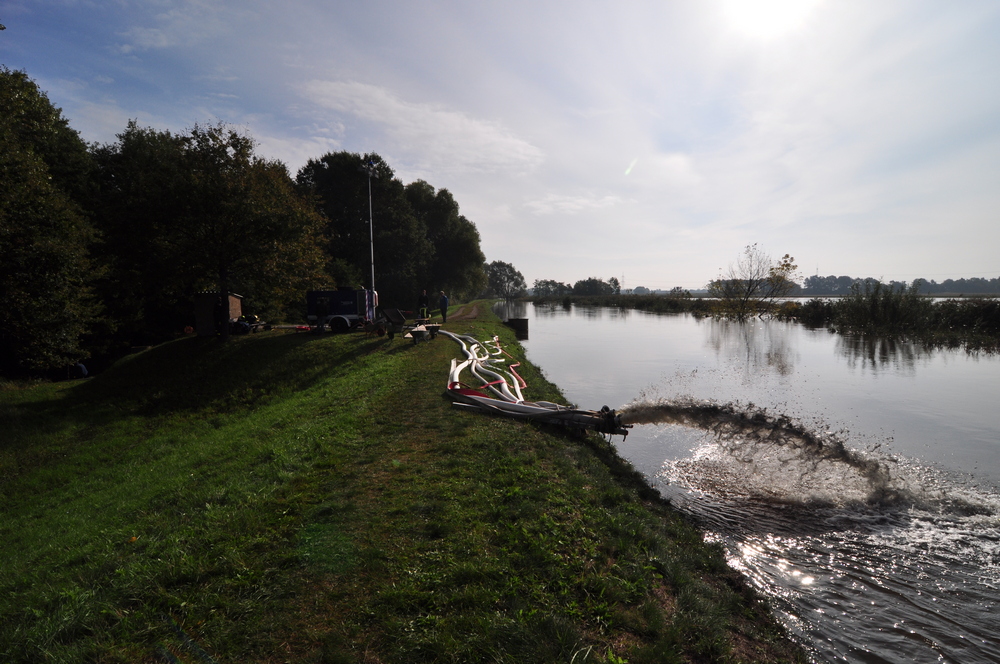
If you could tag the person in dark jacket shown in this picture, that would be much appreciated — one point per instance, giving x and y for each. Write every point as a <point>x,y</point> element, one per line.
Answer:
<point>443,305</point>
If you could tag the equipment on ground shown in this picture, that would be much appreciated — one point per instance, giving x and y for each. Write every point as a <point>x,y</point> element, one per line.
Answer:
<point>498,390</point>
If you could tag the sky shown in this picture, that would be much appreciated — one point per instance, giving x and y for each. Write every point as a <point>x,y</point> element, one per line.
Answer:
<point>648,141</point>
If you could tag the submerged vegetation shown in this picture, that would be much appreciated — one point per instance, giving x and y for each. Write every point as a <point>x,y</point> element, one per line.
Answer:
<point>870,308</point>
<point>316,498</point>
<point>874,308</point>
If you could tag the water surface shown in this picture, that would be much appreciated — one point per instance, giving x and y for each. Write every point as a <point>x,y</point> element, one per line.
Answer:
<point>854,481</point>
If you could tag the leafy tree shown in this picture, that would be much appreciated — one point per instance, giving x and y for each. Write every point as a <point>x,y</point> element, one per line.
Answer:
<point>142,186</point>
<point>456,265</point>
<point>593,286</point>
<point>243,224</point>
<point>339,183</point>
<point>616,287</point>
<point>753,283</point>
<point>550,288</point>
<point>45,301</point>
<point>504,280</point>
<point>39,126</point>
<point>830,285</point>
<point>195,212</point>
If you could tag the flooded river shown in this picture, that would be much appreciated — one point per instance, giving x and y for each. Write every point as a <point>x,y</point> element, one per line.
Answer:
<point>855,482</point>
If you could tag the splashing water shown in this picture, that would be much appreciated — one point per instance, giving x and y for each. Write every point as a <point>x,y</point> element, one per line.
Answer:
<point>775,458</point>
<point>865,556</point>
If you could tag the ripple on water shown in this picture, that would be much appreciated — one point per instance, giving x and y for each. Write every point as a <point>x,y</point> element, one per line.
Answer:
<point>865,557</point>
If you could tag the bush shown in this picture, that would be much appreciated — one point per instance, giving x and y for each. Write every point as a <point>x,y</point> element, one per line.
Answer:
<point>876,308</point>
<point>815,312</point>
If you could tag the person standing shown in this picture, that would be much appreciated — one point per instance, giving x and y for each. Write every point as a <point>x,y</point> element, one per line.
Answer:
<point>443,305</point>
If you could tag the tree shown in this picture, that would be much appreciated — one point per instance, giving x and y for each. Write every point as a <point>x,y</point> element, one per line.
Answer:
<point>339,184</point>
<point>45,299</point>
<point>456,265</point>
<point>504,280</point>
<point>39,126</point>
<point>551,288</point>
<point>142,186</point>
<point>593,286</point>
<point>243,223</point>
<point>195,212</point>
<point>753,283</point>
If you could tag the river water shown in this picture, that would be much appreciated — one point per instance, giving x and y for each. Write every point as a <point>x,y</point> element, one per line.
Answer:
<point>854,482</point>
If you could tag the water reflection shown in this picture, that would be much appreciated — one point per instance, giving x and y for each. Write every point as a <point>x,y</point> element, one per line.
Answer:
<point>878,537</point>
<point>755,346</point>
<point>550,310</point>
<point>507,309</point>
<point>881,353</point>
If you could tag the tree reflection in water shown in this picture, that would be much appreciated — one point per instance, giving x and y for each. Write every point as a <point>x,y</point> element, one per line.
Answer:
<point>757,347</point>
<point>882,353</point>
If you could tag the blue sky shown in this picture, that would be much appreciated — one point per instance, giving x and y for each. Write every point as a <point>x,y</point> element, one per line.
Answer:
<point>650,140</point>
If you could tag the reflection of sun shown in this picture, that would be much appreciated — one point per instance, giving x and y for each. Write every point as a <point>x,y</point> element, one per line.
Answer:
<point>764,19</point>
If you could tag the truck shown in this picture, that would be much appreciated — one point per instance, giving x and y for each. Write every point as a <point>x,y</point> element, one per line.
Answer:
<point>341,309</point>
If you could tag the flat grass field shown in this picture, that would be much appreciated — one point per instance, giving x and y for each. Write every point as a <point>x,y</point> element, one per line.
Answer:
<point>291,497</point>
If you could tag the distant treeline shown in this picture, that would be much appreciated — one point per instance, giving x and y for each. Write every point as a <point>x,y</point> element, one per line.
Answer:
<point>832,285</point>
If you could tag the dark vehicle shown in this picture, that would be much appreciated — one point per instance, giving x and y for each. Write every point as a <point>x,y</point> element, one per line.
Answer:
<point>340,309</point>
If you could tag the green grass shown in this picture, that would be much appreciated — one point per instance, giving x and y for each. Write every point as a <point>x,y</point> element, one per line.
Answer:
<point>293,497</point>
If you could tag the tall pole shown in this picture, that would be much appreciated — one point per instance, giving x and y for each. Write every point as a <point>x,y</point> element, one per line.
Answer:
<point>369,170</point>
<point>371,227</point>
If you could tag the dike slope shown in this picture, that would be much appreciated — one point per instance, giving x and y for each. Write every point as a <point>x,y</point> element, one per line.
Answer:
<point>316,498</point>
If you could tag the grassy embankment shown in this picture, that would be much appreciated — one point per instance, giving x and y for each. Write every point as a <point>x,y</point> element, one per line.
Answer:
<point>293,497</point>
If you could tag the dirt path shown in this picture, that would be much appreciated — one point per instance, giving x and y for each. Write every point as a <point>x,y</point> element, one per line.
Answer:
<point>465,314</point>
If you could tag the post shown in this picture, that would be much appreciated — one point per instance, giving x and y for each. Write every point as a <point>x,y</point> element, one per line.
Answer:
<point>369,170</point>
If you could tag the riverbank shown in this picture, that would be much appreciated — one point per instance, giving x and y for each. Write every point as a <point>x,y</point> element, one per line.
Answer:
<point>316,498</point>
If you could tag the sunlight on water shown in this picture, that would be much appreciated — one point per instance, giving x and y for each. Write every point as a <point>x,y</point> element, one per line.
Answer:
<point>840,540</point>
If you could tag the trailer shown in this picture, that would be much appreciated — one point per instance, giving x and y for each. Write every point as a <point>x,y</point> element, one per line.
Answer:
<point>341,309</point>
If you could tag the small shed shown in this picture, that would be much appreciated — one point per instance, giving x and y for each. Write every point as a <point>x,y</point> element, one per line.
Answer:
<point>210,313</point>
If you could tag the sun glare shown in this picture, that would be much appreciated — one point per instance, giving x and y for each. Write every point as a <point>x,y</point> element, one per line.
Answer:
<point>764,19</point>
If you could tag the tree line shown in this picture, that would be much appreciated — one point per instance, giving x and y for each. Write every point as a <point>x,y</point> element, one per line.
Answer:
<point>832,285</point>
<point>584,287</point>
<point>105,246</point>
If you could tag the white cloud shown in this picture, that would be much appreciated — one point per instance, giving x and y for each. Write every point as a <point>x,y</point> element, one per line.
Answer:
<point>673,170</point>
<point>182,23</point>
<point>295,151</point>
<point>430,138</point>
<point>560,204</point>
<point>142,39</point>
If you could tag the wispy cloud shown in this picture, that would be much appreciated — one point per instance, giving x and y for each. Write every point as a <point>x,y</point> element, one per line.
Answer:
<point>562,204</point>
<point>180,23</point>
<point>429,136</point>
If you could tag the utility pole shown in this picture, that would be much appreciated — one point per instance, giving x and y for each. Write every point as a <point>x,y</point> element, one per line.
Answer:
<point>369,170</point>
